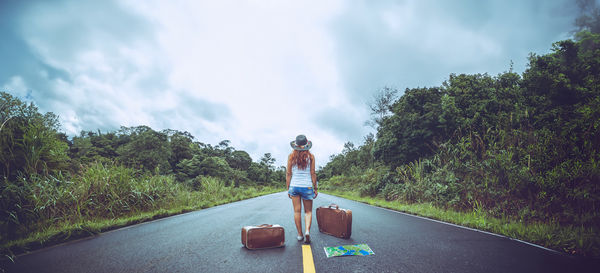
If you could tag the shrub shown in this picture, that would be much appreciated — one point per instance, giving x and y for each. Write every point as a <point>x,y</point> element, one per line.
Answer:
<point>99,191</point>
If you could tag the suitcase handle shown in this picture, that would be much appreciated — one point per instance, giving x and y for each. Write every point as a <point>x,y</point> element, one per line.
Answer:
<point>334,206</point>
<point>265,225</point>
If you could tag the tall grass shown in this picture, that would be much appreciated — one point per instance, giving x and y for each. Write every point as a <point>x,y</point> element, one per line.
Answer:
<point>42,210</point>
<point>579,240</point>
<point>472,194</point>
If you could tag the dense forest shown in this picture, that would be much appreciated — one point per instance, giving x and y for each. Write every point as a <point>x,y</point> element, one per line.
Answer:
<point>521,147</point>
<point>47,178</point>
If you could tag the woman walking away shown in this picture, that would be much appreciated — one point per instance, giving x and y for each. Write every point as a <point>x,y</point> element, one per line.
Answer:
<point>301,181</point>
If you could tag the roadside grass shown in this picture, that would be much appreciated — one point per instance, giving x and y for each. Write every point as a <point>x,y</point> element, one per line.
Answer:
<point>573,240</point>
<point>213,193</point>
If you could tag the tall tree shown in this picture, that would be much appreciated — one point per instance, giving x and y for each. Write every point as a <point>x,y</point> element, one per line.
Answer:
<point>381,106</point>
<point>267,163</point>
<point>180,145</point>
<point>147,149</point>
<point>30,142</point>
<point>412,131</point>
<point>240,160</point>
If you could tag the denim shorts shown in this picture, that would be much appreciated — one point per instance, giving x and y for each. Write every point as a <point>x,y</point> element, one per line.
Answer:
<point>305,193</point>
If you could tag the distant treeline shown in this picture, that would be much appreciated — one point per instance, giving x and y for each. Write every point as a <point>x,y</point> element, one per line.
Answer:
<point>173,152</point>
<point>520,146</point>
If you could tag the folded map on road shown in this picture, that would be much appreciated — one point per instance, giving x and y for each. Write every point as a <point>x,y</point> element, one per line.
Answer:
<point>348,250</point>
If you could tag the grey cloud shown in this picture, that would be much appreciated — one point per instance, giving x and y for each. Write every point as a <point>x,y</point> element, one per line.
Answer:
<point>371,55</point>
<point>43,40</point>
<point>203,109</point>
<point>64,28</point>
<point>189,114</point>
<point>18,59</point>
<point>341,122</point>
<point>68,26</point>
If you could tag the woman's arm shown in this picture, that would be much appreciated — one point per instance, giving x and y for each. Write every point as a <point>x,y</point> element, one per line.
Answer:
<point>313,173</point>
<point>288,172</point>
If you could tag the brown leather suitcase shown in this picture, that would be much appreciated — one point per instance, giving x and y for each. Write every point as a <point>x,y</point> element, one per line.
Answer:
<point>335,221</point>
<point>263,236</point>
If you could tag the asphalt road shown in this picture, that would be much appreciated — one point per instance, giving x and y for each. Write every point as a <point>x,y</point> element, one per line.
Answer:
<point>209,241</point>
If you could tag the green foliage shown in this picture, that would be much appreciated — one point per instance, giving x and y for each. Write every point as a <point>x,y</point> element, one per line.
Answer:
<point>146,149</point>
<point>367,182</point>
<point>173,152</point>
<point>240,160</point>
<point>29,140</point>
<point>351,161</point>
<point>215,166</point>
<point>91,147</point>
<point>180,144</point>
<point>413,130</point>
<point>98,191</point>
<point>572,239</point>
<point>189,168</point>
<point>520,147</point>
<point>101,191</point>
<point>214,188</point>
<point>53,185</point>
<point>57,214</point>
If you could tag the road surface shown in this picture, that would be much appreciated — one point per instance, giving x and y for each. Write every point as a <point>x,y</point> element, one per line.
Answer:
<point>209,241</point>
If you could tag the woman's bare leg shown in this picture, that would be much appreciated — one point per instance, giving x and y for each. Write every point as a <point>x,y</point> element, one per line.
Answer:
<point>307,214</point>
<point>297,213</point>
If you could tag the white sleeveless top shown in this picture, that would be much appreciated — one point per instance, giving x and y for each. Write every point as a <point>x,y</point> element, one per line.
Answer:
<point>301,178</point>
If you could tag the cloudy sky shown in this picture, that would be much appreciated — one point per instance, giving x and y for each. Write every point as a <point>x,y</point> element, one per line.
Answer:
<point>256,73</point>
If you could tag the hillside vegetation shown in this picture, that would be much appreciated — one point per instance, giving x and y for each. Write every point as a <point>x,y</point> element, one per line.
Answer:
<point>53,187</point>
<point>522,148</point>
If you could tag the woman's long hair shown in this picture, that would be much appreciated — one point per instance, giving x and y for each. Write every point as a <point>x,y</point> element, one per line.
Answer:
<point>300,159</point>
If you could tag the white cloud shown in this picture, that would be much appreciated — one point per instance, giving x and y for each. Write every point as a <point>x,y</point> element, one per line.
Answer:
<point>272,65</point>
<point>17,87</point>
<point>257,72</point>
<point>248,72</point>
